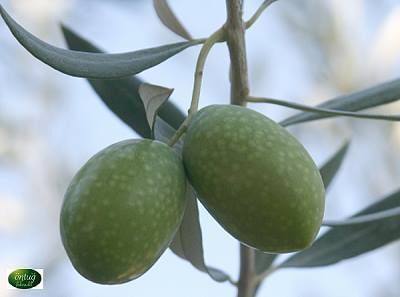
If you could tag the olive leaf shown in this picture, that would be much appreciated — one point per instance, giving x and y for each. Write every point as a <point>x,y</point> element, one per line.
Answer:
<point>121,96</point>
<point>373,217</point>
<point>153,97</point>
<point>188,242</point>
<point>323,111</point>
<point>351,240</point>
<point>92,65</point>
<point>371,97</point>
<point>331,167</point>
<point>169,19</point>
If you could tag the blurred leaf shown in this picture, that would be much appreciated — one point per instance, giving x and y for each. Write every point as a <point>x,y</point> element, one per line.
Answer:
<point>169,19</point>
<point>373,217</point>
<point>331,167</point>
<point>263,261</point>
<point>188,241</point>
<point>122,95</point>
<point>92,65</point>
<point>344,242</point>
<point>153,97</point>
<point>375,96</point>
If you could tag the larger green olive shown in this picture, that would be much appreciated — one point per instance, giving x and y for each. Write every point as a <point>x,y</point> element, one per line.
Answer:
<point>255,178</point>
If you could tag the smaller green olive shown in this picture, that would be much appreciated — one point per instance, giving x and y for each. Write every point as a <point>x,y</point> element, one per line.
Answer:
<point>122,209</point>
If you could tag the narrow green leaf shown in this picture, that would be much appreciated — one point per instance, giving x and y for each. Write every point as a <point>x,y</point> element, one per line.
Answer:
<point>92,65</point>
<point>188,242</point>
<point>347,241</point>
<point>153,97</point>
<point>373,217</point>
<point>323,111</point>
<point>169,19</point>
<point>331,167</point>
<point>122,95</point>
<point>375,96</point>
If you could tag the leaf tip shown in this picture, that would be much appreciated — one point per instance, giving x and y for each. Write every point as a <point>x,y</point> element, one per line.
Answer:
<point>153,97</point>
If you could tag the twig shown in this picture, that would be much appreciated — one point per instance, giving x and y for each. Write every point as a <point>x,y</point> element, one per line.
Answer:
<point>235,37</point>
<point>247,282</point>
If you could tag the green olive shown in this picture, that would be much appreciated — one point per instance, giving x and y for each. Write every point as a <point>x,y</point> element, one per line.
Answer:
<point>254,178</point>
<point>122,209</point>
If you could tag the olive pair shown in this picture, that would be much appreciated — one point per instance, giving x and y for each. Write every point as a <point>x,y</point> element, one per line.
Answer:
<point>124,206</point>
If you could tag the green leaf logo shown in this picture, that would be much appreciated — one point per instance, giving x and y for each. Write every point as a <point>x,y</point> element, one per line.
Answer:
<point>24,278</point>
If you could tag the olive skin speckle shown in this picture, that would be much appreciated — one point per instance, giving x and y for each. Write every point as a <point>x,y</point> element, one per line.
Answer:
<point>120,212</point>
<point>254,178</point>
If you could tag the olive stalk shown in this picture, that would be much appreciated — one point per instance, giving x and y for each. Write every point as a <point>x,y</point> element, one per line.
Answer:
<point>217,36</point>
<point>235,27</point>
<point>214,38</point>
<point>178,134</point>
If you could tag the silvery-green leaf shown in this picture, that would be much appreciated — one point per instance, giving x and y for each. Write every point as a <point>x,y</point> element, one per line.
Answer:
<point>121,96</point>
<point>169,19</point>
<point>322,111</point>
<point>374,96</point>
<point>92,65</point>
<point>373,217</point>
<point>188,241</point>
<point>153,97</point>
<point>351,240</point>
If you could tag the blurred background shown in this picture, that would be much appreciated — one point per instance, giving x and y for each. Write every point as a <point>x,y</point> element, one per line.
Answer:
<point>307,51</point>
